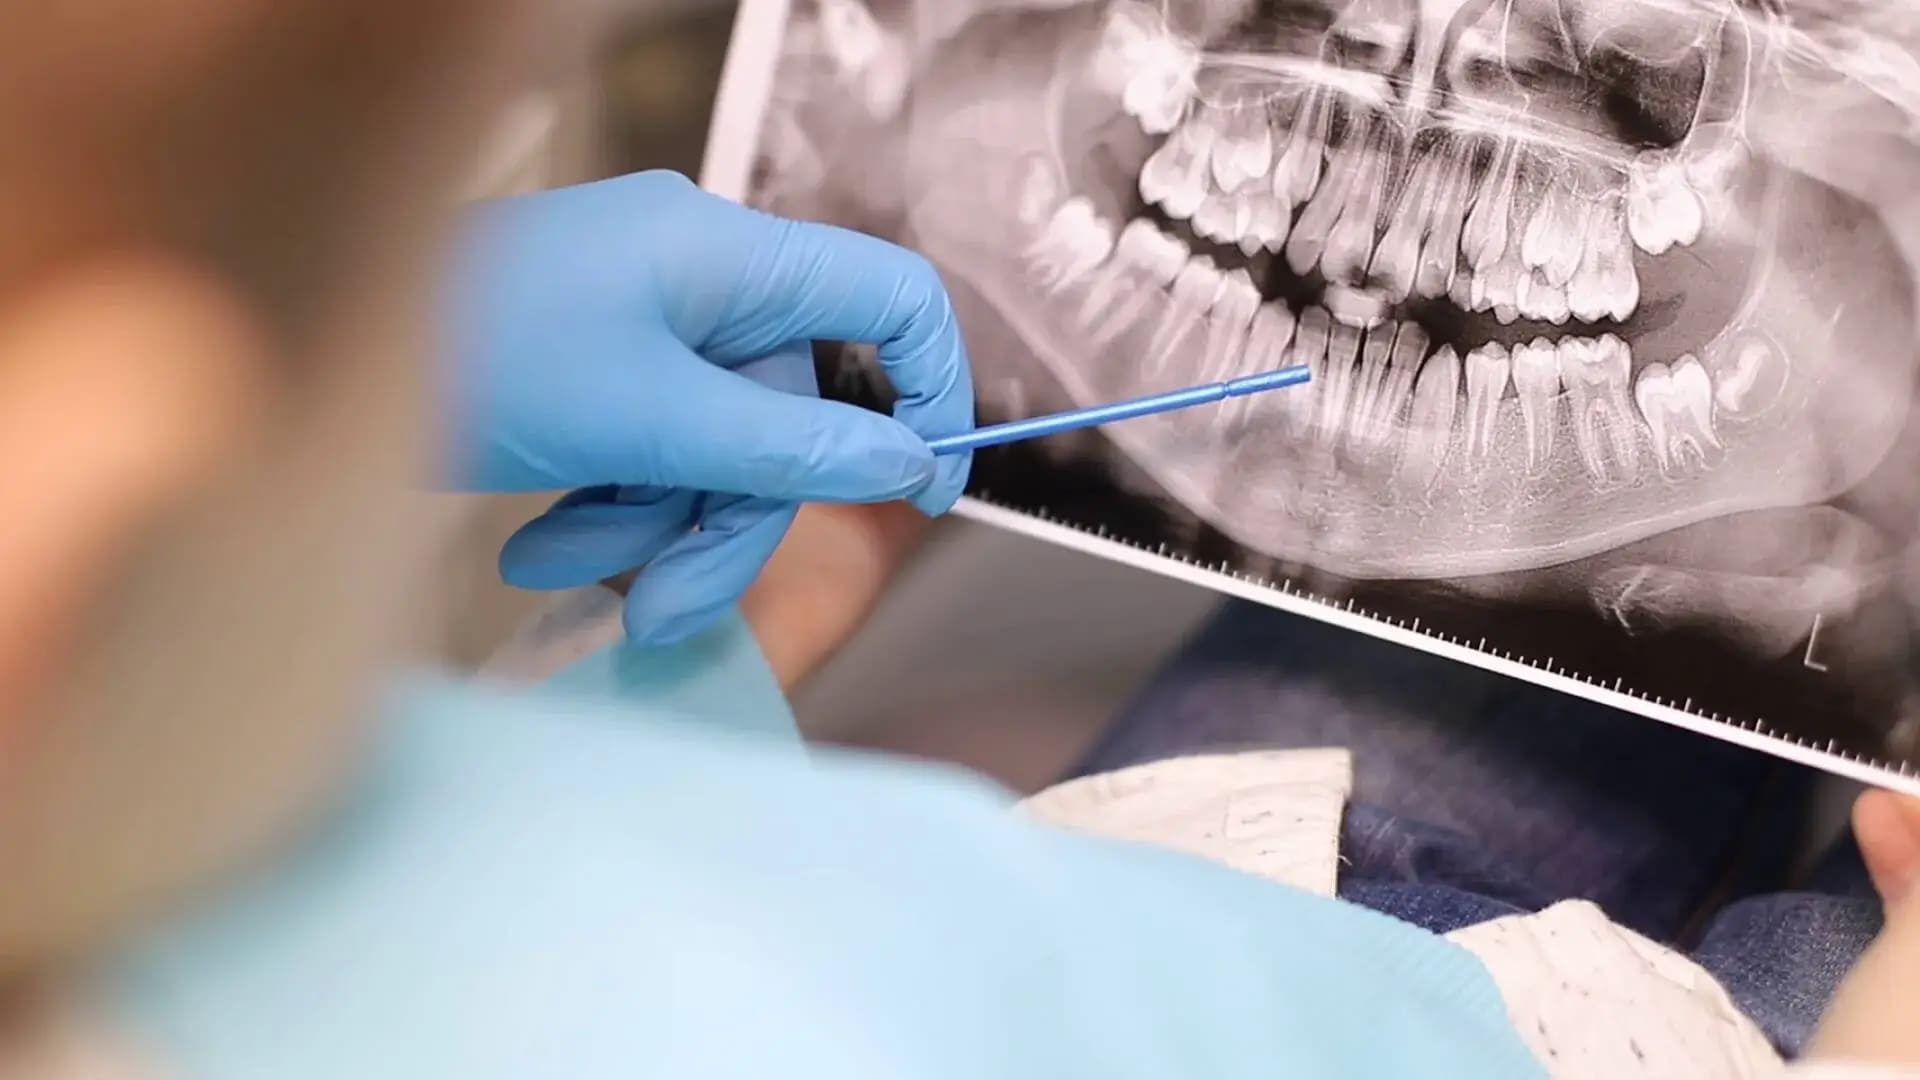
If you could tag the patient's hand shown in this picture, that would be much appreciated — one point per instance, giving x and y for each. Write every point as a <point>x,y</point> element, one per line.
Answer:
<point>825,579</point>
<point>1872,1017</point>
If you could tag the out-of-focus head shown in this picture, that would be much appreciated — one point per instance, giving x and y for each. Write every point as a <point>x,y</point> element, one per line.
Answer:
<point>220,226</point>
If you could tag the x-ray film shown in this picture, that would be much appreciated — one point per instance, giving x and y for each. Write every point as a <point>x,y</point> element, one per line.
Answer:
<point>1610,306</point>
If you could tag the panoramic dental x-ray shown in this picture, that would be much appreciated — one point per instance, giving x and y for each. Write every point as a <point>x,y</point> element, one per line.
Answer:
<point>1609,306</point>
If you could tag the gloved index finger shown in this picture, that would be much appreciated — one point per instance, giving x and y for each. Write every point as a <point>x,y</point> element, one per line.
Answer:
<point>819,282</point>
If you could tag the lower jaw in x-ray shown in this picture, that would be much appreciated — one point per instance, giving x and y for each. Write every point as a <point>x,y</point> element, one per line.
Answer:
<point>1564,283</point>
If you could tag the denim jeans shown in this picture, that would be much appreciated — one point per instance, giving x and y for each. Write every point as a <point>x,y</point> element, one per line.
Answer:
<point>1477,796</point>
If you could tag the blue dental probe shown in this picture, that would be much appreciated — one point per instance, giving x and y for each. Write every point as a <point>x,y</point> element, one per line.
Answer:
<point>1035,427</point>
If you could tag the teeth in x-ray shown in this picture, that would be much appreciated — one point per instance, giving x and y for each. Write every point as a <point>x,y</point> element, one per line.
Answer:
<point>1267,223</point>
<point>1606,285</point>
<point>1153,67</point>
<point>1250,220</point>
<point>1541,300</point>
<point>1037,192</point>
<point>1397,263</point>
<point>1369,381</point>
<point>1551,243</point>
<point>1267,340</point>
<point>873,60</point>
<point>1536,379</point>
<point>1350,241</point>
<point>1595,373</point>
<point>1175,176</point>
<point>1464,293</point>
<point>1497,288</point>
<point>1297,170</point>
<point>1485,237</point>
<point>1266,350</point>
<point>1440,258</point>
<point>1436,397</point>
<point>1359,308</point>
<point>1143,258</point>
<point>1229,324</point>
<point>1376,31</point>
<point>1337,384</point>
<point>1488,368</point>
<point>1243,147</point>
<point>1193,293</point>
<point>1076,241</point>
<point>1310,336</point>
<point>1218,218</point>
<point>1378,419</point>
<point>1308,242</point>
<point>1677,403</point>
<point>1750,372</point>
<point>1370,384</point>
<point>1663,212</point>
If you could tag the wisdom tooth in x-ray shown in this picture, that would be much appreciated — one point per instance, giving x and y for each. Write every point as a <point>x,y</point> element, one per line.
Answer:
<point>1569,273</point>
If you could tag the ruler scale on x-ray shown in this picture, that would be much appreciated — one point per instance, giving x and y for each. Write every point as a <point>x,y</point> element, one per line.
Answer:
<point>1282,593</point>
<point>1684,407</point>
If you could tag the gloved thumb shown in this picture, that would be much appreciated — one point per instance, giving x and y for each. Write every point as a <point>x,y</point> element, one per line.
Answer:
<point>728,433</point>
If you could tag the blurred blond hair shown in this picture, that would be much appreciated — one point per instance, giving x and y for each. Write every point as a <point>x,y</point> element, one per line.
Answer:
<point>303,154</point>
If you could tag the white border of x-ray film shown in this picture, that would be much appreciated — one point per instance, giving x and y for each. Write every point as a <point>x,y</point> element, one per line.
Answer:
<point>745,89</point>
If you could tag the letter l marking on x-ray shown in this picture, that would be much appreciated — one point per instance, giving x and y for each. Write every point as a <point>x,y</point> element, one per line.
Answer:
<point>1813,642</point>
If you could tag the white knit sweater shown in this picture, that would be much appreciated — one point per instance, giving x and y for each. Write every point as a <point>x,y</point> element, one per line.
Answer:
<point>1591,999</point>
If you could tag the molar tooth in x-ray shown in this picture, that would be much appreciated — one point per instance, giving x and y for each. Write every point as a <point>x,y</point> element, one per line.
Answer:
<point>1677,403</point>
<point>1606,285</point>
<point>1243,150</point>
<point>1374,33</point>
<point>1076,241</point>
<point>1229,324</point>
<point>1217,218</point>
<point>1497,288</point>
<point>1144,260</point>
<point>1429,434</point>
<point>1538,299</point>
<point>873,61</point>
<point>1484,239</point>
<point>1038,190</point>
<point>1595,373</point>
<point>1297,170</point>
<point>1337,384</point>
<point>1176,176</point>
<point>1662,209</point>
<point>1536,378</point>
<point>1149,65</point>
<point>1749,372</point>
<point>1268,220</point>
<point>1181,324</point>
<point>1488,369</point>
<point>1550,244</point>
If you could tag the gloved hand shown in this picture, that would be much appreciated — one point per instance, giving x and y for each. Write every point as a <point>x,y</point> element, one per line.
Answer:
<point>650,344</point>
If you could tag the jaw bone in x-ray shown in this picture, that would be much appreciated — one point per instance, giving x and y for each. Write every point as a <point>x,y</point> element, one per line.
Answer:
<point>1566,270</point>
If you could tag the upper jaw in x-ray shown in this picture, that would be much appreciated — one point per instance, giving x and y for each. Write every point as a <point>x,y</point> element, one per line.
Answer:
<point>1562,268</point>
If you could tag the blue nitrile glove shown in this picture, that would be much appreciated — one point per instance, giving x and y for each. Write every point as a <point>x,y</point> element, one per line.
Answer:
<point>650,344</point>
